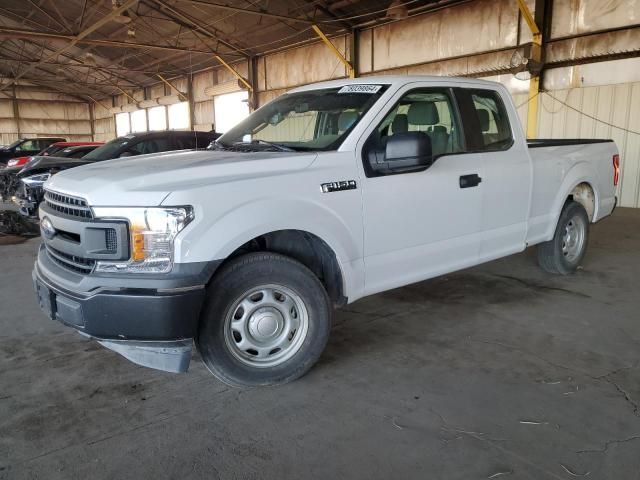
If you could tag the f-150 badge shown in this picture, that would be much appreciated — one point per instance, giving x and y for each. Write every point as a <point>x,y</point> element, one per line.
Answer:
<point>338,186</point>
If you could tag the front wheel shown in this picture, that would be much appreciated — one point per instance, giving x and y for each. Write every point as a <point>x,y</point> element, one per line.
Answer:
<point>266,321</point>
<point>565,251</point>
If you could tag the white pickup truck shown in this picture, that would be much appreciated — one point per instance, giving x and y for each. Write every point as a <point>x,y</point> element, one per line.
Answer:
<point>332,192</point>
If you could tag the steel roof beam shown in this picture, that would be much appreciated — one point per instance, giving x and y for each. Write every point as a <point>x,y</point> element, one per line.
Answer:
<point>86,32</point>
<point>31,34</point>
<point>249,12</point>
<point>193,24</point>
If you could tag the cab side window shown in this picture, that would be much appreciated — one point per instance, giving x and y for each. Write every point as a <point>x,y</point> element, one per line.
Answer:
<point>493,122</point>
<point>429,112</point>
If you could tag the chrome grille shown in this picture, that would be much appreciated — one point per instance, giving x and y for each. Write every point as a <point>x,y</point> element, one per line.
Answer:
<point>76,264</point>
<point>67,205</point>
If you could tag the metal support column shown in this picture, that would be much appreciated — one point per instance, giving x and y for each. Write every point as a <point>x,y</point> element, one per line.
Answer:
<point>92,120</point>
<point>192,102</point>
<point>535,58</point>
<point>253,79</point>
<point>354,52</point>
<point>16,111</point>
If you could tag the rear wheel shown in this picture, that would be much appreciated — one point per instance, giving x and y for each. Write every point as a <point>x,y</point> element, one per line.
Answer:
<point>565,251</point>
<point>266,321</point>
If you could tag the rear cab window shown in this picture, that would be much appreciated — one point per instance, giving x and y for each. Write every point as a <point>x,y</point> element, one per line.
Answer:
<point>486,120</point>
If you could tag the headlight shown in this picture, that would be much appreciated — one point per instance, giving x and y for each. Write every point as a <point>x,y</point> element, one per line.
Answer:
<point>36,180</point>
<point>152,232</point>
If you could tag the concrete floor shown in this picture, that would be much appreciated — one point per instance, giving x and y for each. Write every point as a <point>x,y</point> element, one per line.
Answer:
<point>500,371</point>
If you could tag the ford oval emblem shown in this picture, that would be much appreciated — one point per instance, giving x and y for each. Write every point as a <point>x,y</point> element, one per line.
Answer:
<point>47,228</point>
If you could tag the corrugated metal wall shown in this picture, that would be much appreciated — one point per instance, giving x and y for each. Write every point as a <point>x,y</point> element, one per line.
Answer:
<point>104,124</point>
<point>42,114</point>
<point>619,106</point>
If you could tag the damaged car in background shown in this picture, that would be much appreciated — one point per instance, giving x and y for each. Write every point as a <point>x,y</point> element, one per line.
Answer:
<point>8,173</point>
<point>10,184</point>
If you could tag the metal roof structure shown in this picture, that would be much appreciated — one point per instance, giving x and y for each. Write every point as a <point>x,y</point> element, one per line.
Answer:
<point>97,48</point>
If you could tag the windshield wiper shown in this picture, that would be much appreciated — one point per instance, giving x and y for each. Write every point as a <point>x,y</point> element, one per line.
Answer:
<point>278,146</point>
<point>250,146</point>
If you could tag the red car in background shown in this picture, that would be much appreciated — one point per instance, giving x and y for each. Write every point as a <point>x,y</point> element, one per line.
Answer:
<point>50,150</point>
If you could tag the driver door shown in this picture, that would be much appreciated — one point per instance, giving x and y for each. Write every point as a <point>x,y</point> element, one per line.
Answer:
<point>425,223</point>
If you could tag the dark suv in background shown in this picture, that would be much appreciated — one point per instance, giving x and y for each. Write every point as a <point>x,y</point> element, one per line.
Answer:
<point>152,142</point>
<point>26,147</point>
<point>32,177</point>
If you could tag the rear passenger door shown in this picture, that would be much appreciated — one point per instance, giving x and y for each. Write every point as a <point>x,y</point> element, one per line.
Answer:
<point>425,223</point>
<point>185,141</point>
<point>151,145</point>
<point>494,132</point>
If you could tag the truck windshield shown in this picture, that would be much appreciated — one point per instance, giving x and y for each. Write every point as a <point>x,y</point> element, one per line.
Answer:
<point>311,120</point>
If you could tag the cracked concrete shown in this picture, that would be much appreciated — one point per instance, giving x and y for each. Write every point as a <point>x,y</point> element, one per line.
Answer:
<point>499,371</point>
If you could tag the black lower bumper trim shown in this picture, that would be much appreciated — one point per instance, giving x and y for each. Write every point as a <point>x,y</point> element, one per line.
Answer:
<point>141,314</point>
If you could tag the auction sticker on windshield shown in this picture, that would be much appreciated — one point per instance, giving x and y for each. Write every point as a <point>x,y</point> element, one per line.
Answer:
<point>360,89</point>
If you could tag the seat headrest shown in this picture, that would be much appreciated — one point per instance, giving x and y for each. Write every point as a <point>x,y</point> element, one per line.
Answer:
<point>346,120</point>
<point>483,117</point>
<point>423,113</point>
<point>400,123</point>
<point>440,128</point>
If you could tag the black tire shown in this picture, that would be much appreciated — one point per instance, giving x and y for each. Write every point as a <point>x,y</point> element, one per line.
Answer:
<point>551,255</point>
<point>243,274</point>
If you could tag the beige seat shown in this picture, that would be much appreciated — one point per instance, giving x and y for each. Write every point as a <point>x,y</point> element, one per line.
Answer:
<point>426,114</point>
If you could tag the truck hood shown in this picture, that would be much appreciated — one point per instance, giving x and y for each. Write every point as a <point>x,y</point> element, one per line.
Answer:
<point>146,180</point>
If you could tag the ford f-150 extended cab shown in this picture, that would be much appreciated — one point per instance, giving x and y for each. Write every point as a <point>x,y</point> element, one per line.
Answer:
<point>331,192</point>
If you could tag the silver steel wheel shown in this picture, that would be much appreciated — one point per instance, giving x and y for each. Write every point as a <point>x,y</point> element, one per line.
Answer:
<point>266,326</point>
<point>574,237</point>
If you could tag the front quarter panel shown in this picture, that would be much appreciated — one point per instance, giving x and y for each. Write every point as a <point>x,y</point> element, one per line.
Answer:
<point>228,215</point>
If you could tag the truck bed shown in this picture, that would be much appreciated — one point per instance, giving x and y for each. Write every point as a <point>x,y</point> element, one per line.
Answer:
<point>563,142</point>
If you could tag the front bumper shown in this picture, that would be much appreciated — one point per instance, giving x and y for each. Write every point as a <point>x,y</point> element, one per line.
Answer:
<point>149,326</point>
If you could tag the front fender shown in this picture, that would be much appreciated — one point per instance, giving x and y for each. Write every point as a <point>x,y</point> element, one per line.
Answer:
<point>217,240</point>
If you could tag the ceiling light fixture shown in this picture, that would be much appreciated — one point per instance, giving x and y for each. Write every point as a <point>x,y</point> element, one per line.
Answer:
<point>89,59</point>
<point>397,11</point>
<point>124,17</point>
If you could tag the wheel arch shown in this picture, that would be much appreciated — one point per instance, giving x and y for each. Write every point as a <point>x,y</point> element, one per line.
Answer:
<point>308,249</point>
<point>578,186</point>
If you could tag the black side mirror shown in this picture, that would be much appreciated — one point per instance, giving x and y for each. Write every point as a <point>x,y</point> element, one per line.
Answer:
<point>405,152</point>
